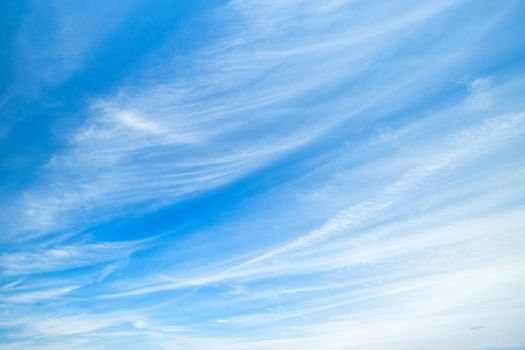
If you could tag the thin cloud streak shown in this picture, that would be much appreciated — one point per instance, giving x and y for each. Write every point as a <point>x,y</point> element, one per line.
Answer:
<point>266,175</point>
<point>66,257</point>
<point>468,145</point>
<point>194,119</point>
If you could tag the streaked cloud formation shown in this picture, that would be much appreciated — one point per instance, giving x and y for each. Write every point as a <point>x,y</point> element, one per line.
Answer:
<point>263,175</point>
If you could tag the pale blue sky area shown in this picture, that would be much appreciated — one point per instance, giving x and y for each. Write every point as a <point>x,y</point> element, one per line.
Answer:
<point>195,175</point>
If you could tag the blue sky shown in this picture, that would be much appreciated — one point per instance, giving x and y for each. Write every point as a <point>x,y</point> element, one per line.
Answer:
<point>336,174</point>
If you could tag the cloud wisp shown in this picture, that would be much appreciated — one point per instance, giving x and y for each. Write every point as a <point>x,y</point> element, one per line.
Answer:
<point>184,128</point>
<point>241,174</point>
<point>466,146</point>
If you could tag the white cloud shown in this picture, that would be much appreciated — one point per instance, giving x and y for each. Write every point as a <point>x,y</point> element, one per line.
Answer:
<point>200,129</point>
<point>66,257</point>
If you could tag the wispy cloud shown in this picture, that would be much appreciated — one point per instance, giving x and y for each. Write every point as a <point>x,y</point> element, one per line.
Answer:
<point>335,175</point>
<point>38,295</point>
<point>185,125</point>
<point>66,257</point>
<point>466,146</point>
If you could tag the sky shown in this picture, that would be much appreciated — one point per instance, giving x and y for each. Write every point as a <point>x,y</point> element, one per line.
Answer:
<point>270,174</point>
